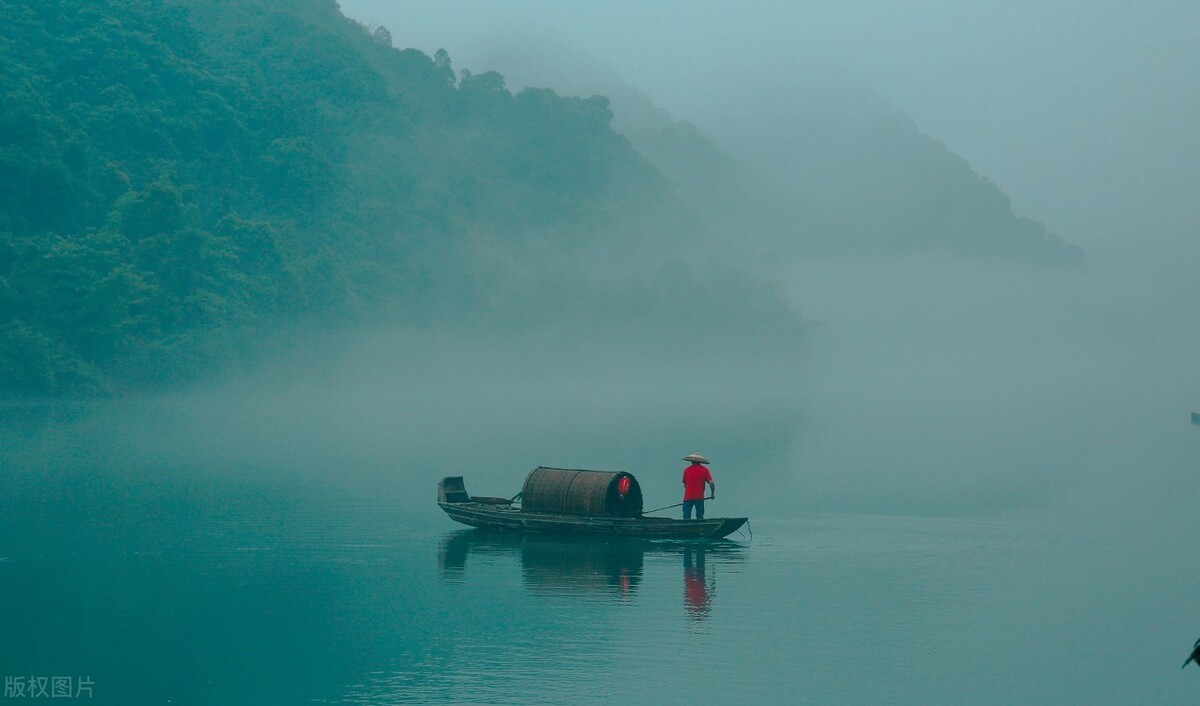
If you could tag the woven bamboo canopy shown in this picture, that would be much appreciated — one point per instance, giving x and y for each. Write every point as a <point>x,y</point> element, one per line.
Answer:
<point>579,492</point>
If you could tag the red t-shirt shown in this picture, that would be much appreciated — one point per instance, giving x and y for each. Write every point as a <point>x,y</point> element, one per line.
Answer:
<point>694,478</point>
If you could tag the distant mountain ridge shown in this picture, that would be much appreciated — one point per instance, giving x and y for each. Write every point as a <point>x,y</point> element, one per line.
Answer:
<point>827,169</point>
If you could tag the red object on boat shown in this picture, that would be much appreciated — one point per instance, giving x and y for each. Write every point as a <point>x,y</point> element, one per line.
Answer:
<point>623,486</point>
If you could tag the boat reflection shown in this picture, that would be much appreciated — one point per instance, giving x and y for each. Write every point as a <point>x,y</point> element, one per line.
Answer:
<point>567,565</point>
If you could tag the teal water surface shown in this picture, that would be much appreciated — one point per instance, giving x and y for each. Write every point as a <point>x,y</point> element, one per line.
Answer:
<point>187,591</point>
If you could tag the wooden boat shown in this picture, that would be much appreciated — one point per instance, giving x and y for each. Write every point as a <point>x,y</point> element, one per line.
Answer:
<point>561,500</point>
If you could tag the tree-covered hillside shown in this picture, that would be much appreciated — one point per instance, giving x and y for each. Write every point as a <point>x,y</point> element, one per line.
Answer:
<point>178,177</point>
<point>183,180</point>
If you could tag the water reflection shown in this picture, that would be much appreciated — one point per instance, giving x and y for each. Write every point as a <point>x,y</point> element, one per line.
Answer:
<point>588,566</point>
<point>697,588</point>
<point>551,564</point>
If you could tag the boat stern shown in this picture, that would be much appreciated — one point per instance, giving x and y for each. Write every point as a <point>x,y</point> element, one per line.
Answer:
<point>452,489</point>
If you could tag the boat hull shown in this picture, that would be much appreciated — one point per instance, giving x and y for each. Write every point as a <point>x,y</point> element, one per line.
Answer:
<point>508,519</point>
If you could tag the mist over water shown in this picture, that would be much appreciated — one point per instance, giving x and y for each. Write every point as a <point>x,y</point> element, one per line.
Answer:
<point>982,472</point>
<point>976,375</point>
<point>1054,405</point>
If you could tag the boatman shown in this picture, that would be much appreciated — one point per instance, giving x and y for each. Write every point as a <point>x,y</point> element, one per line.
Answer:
<point>694,478</point>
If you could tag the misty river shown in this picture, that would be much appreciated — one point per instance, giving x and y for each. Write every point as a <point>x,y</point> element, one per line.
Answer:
<point>975,487</point>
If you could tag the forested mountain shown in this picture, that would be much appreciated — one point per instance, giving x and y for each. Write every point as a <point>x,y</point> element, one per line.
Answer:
<point>182,180</point>
<point>177,177</point>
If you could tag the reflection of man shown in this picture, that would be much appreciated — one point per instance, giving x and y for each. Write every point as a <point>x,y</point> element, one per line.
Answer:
<point>695,586</point>
<point>695,477</point>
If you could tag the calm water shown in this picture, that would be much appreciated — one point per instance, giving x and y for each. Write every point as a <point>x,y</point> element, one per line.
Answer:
<point>183,591</point>
<point>970,534</point>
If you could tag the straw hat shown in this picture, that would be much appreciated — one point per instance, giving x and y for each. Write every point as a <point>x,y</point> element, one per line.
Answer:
<point>695,458</point>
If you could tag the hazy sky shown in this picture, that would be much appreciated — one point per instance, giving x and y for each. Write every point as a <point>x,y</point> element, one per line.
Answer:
<point>1083,112</point>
